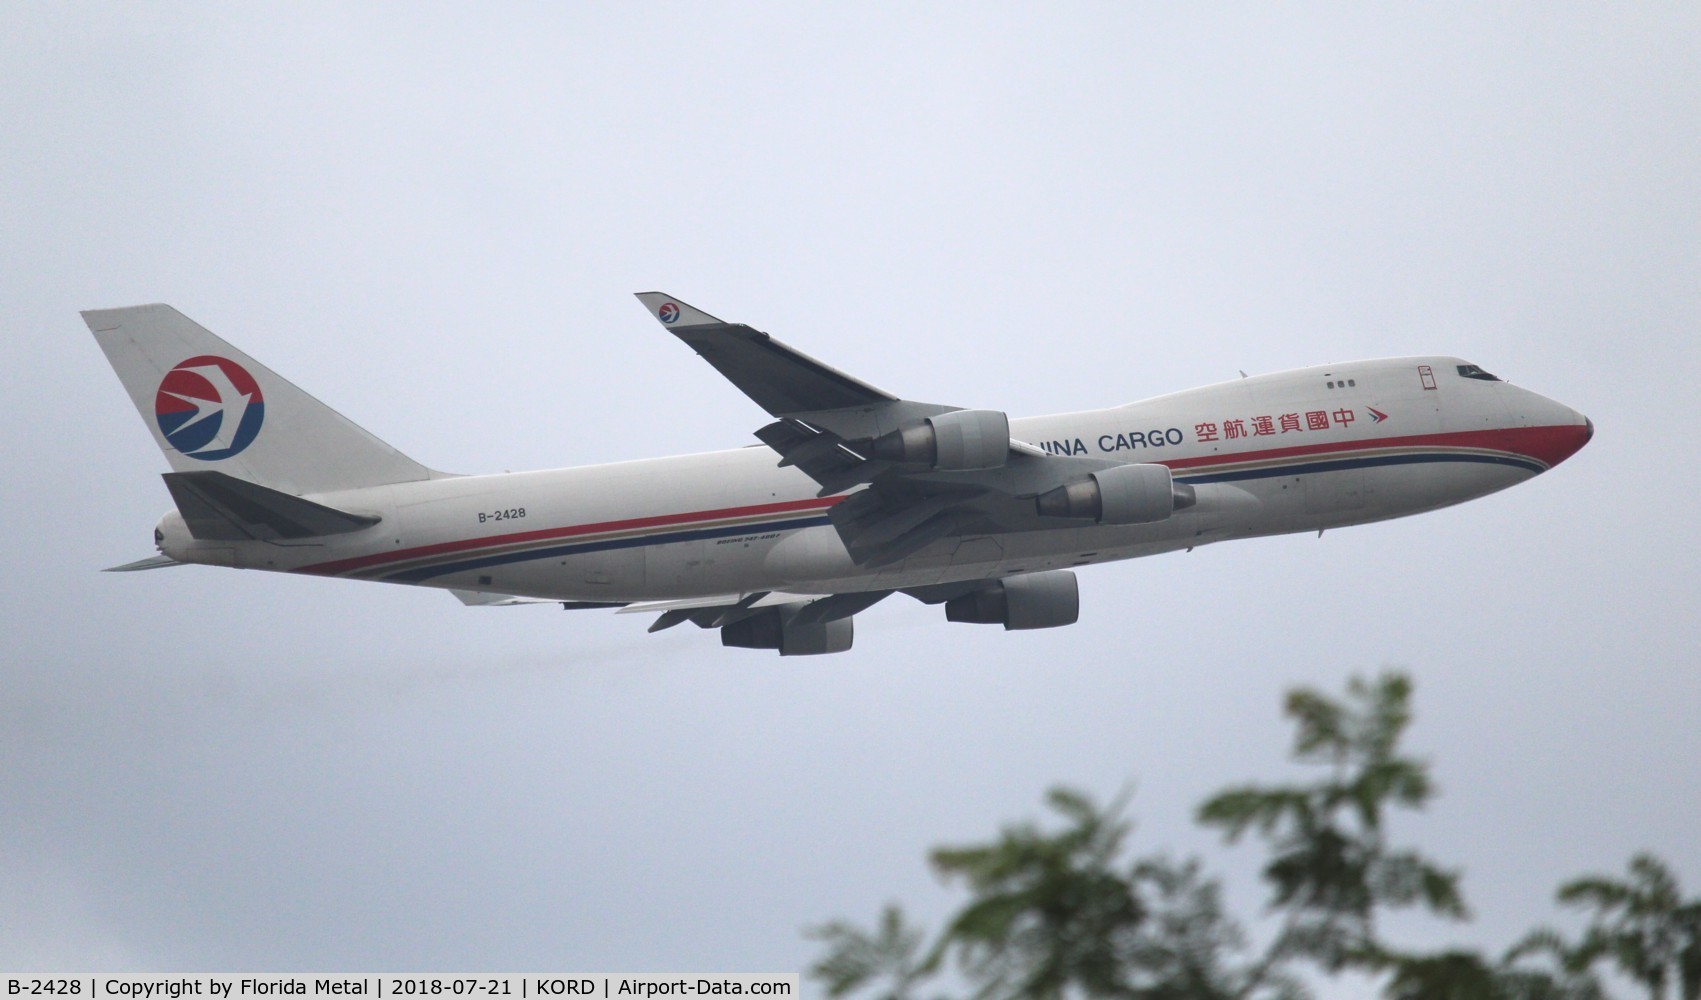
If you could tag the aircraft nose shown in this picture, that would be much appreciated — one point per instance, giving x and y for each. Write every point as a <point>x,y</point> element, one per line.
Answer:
<point>1551,431</point>
<point>1568,438</point>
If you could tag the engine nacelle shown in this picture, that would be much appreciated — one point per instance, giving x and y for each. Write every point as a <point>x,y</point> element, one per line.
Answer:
<point>1123,494</point>
<point>773,628</point>
<point>957,441</point>
<point>1031,600</point>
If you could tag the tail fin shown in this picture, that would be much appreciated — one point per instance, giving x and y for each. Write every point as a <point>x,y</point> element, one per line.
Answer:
<point>213,408</point>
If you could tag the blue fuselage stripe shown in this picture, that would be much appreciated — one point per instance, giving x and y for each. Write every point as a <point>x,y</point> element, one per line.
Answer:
<point>1343,464</point>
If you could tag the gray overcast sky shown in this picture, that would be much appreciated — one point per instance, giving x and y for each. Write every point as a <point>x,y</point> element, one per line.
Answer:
<point>433,220</point>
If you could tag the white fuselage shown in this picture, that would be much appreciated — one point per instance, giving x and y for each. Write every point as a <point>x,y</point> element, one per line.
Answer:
<point>1295,451</point>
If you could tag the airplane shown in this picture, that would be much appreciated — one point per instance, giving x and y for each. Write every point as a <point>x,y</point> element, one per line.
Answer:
<point>852,495</point>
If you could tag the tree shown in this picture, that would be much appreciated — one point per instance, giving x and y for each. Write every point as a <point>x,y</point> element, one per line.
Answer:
<point>1047,912</point>
<point>1331,867</point>
<point>1641,924</point>
<point>1060,913</point>
<point>1053,914</point>
<point>1466,975</point>
<point>856,958</point>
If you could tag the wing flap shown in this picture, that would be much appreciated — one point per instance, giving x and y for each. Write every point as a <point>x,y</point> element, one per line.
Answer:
<point>725,609</point>
<point>682,604</point>
<point>837,606</point>
<point>822,455</point>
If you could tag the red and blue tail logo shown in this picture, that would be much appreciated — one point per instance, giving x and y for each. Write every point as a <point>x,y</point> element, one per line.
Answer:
<point>209,408</point>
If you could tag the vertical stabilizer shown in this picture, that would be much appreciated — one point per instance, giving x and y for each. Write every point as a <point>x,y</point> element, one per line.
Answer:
<point>211,407</point>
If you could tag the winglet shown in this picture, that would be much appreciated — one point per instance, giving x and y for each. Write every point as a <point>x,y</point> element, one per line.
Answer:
<point>673,313</point>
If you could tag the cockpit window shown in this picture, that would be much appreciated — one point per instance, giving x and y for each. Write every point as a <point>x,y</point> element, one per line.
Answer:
<point>1473,371</point>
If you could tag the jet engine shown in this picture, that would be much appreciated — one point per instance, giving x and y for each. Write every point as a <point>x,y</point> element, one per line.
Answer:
<point>1031,600</point>
<point>1123,494</point>
<point>774,628</point>
<point>957,441</point>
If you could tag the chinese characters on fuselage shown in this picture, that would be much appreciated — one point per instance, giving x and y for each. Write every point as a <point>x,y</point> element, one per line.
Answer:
<point>1229,429</point>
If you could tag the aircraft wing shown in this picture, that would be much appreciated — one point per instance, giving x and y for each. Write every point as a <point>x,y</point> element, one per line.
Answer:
<point>151,562</point>
<point>933,471</point>
<point>489,599</point>
<point>780,379</point>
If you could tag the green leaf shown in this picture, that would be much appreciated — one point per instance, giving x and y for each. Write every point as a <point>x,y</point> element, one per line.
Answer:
<point>856,958</point>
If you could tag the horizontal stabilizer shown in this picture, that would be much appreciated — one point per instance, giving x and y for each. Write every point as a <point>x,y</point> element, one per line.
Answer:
<point>222,508</point>
<point>151,562</point>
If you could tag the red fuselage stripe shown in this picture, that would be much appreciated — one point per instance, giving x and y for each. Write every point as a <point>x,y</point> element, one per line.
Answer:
<point>548,534</point>
<point>1548,445</point>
